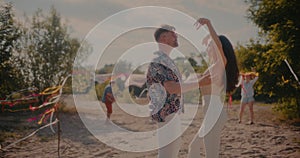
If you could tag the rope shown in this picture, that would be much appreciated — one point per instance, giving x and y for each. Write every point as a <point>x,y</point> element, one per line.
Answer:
<point>292,71</point>
<point>30,135</point>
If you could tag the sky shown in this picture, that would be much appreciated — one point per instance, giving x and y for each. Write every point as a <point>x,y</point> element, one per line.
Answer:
<point>227,16</point>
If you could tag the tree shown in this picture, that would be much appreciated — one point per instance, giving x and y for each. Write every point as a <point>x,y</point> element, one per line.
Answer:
<point>198,68</point>
<point>10,76</point>
<point>107,68</point>
<point>279,39</point>
<point>49,50</point>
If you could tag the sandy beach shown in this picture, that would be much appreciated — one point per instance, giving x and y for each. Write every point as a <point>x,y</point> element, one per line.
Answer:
<point>268,137</point>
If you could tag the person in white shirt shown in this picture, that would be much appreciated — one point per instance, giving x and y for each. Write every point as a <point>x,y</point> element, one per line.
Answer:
<point>247,93</point>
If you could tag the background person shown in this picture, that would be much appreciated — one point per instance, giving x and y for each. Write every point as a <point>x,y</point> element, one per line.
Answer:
<point>247,93</point>
<point>108,99</point>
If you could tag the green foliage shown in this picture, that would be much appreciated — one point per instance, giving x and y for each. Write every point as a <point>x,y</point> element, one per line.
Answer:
<point>38,54</point>
<point>121,67</point>
<point>100,89</point>
<point>49,50</point>
<point>289,108</point>
<point>108,68</point>
<point>279,39</point>
<point>81,81</point>
<point>10,76</point>
<point>196,67</point>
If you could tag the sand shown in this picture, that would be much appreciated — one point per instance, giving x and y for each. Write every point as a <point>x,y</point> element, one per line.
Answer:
<point>268,137</point>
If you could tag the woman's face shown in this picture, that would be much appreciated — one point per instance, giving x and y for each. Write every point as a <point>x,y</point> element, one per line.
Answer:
<point>248,78</point>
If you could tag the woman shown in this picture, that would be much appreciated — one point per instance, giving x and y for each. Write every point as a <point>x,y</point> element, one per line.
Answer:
<point>246,82</point>
<point>223,73</point>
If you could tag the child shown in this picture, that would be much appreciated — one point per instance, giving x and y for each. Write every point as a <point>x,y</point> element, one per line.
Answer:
<point>247,81</point>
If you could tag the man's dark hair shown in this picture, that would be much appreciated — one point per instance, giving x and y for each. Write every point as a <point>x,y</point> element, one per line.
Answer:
<point>162,29</point>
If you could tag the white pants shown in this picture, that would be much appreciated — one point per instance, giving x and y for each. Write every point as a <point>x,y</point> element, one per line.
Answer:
<point>210,131</point>
<point>169,137</point>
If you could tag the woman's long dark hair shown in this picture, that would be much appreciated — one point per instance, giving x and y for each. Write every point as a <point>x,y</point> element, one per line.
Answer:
<point>231,68</point>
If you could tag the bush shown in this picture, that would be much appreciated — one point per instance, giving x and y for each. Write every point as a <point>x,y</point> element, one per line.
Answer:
<point>100,89</point>
<point>289,108</point>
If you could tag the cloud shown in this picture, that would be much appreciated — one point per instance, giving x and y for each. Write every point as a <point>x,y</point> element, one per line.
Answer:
<point>80,27</point>
<point>136,3</point>
<point>228,6</point>
<point>74,1</point>
<point>226,15</point>
<point>175,4</point>
<point>242,35</point>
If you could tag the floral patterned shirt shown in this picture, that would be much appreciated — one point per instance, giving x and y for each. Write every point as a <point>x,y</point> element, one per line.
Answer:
<point>162,103</point>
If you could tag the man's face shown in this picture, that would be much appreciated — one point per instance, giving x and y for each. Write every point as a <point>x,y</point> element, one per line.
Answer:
<point>169,38</point>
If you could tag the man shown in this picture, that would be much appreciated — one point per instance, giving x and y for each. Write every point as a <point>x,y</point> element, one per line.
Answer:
<point>165,91</point>
<point>108,99</point>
